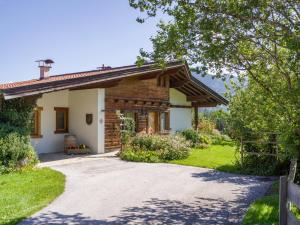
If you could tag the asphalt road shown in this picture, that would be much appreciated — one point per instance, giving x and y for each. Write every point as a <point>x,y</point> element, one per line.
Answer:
<point>106,190</point>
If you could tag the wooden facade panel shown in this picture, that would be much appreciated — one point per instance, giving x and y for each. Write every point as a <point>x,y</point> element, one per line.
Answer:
<point>135,95</point>
<point>140,89</point>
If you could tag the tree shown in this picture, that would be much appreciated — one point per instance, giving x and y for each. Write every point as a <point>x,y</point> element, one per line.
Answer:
<point>256,40</point>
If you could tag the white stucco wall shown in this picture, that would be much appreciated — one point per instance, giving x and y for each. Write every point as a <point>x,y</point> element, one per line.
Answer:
<point>79,103</point>
<point>101,120</point>
<point>50,142</point>
<point>180,118</point>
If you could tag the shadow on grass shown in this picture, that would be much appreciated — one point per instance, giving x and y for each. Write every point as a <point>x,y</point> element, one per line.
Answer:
<point>230,169</point>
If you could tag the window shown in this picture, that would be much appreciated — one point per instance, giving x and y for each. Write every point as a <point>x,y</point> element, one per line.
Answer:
<point>62,120</point>
<point>36,123</point>
<point>164,121</point>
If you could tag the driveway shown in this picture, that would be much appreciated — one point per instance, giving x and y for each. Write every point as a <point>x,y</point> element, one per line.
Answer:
<point>105,190</point>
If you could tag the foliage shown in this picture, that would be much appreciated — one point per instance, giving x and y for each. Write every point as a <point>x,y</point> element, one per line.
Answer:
<point>266,209</point>
<point>219,157</point>
<point>221,139</point>
<point>16,152</point>
<point>220,118</point>
<point>128,129</point>
<point>15,126</point>
<point>206,125</point>
<point>263,165</point>
<point>196,139</point>
<point>140,156</point>
<point>24,193</point>
<point>153,148</point>
<point>258,41</point>
<point>16,113</point>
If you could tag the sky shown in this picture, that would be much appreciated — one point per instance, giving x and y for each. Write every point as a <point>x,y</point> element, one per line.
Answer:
<point>78,35</point>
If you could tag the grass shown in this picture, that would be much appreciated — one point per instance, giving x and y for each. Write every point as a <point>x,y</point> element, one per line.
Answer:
<point>219,157</point>
<point>265,211</point>
<point>23,193</point>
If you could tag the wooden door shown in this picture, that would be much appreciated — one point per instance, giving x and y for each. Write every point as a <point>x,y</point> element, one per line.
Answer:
<point>152,122</point>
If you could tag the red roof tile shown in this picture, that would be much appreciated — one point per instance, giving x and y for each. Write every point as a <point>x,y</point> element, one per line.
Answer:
<point>61,77</point>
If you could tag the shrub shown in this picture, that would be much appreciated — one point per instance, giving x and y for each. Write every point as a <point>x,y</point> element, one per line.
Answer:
<point>177,148</point>
<point>154,148</point>
<point>206,125</point>
<point>221,139</point>
<point>128,129</point>
<point>263,165</point>
<point>16,152</point>
<point>190,135</point>
<point>197,140</point>
<point>139,156</point>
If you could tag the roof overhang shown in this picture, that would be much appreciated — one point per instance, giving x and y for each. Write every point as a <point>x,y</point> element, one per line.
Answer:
<point>180,76</point>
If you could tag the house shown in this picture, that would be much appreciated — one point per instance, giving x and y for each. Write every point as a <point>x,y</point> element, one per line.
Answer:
<point>88,104</point>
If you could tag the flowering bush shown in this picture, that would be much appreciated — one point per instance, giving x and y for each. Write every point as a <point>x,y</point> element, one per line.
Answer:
<point>154,148</point>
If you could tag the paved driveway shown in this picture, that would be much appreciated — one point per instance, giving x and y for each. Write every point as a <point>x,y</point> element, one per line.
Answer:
<point>106,190</point>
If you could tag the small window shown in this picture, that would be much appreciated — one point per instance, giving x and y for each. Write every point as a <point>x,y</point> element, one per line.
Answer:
<point>62,115</point>
<point>36,123</point>
<point>164,121</point>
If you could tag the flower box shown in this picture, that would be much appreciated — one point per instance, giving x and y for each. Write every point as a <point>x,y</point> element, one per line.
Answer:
<point>78,151</point>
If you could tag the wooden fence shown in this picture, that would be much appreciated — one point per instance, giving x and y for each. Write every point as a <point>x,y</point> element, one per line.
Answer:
<point>244,141</point>
<point>289,195</point>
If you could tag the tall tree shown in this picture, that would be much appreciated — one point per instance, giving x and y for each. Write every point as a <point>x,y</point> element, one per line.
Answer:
<point>254,39</point>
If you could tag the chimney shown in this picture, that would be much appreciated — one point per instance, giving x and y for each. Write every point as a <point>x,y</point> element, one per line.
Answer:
<point>103,67</point>
<point>45,66</point>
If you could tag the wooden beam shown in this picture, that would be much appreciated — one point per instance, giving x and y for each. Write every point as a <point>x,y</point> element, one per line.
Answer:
<point>106,84</point>
<point>196,117</point>
<point>197,98</point>
<point>158,74</point>
<point>205,104</point>
<point>178,84</point>
<point>181,106</point>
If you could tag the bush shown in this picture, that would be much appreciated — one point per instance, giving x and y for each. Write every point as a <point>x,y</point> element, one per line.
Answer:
<point>155,148</point>
<point>140,156</point>
<point>197,140</point>
<point>16,152</point>
<point>221,139</point>
<point>263,165</point>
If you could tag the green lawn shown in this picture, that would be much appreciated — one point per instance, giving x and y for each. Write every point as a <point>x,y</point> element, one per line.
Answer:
<point>23,193</point>
<point>265,211</point>
<point>217,157</point>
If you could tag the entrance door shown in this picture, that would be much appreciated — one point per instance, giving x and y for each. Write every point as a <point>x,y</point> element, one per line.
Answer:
<point>152,122</point>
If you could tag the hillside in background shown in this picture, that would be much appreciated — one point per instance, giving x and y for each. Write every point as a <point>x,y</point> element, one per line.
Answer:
<point>218,85</point>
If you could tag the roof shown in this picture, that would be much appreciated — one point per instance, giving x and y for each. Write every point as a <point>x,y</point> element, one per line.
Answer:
<point>75,80</point>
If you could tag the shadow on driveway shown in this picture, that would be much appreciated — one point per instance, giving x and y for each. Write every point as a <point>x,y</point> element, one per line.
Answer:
<point>155,211</point>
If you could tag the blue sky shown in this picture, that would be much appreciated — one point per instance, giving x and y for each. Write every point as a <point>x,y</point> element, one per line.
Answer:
<point>77,34</point>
